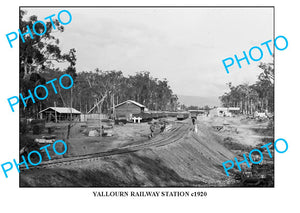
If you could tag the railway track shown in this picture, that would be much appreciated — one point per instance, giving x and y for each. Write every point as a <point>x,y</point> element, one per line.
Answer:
<point>174,135</point>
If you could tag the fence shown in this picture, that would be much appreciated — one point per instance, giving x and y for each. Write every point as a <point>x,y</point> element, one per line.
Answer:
<point>85,117</point>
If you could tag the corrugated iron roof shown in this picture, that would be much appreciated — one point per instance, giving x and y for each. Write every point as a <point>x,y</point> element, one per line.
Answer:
<point>63,110</point>
<point>131,101</point>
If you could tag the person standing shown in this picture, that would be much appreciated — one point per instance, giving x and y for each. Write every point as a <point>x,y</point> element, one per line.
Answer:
<point>194,124</point>
<point>162,127</point>
<point>152,128</point>
<point>193,120</point>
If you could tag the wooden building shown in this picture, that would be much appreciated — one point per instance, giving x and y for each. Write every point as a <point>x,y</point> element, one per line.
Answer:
<point>126,109</point>
<point>61,113</point>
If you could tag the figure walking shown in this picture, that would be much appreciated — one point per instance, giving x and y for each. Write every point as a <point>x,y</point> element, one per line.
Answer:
<point>193,120</point>
<point>194,124</point>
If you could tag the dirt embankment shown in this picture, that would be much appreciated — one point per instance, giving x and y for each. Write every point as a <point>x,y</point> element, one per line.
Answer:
<point>176,158</point>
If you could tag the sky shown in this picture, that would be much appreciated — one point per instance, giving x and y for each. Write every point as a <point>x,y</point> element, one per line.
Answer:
<point>184,45</point>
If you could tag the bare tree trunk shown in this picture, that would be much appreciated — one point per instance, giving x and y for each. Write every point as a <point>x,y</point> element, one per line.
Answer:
<point>71,103</point>
<point>113,105</point>
<point>61,97</point>
<point>80,103</point>
<point>26,71</point>
<point>55,112</point>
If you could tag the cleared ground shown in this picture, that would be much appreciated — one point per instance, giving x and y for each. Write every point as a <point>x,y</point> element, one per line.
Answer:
<point>178,157</point>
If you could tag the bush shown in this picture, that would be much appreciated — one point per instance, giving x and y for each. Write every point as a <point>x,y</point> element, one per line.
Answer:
<point>23,127</point>
<point>29,144</point>
<point>36,129</point>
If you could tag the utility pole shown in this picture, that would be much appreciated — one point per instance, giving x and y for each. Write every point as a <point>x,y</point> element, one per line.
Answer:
<point>71,101</point>
<point>100,106</point>
<point>55,112</point>
<point>113,103</point>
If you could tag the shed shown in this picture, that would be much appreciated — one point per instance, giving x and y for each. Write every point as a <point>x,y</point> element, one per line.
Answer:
<point>62,113</point>
<point>127,108</point>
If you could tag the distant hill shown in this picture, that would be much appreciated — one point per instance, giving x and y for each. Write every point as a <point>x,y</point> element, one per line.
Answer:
<point>198,101</point>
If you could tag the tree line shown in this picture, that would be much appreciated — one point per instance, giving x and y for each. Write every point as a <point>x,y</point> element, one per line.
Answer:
<point>90,87</point>
<point>39,56</point>
<point>255,97</point>
<point>155,94</point>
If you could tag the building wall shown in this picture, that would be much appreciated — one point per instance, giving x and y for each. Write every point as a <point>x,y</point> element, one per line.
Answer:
<point>127,109</point>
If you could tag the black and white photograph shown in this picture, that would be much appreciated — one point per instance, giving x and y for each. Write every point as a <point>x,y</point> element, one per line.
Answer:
<point>146,96</point>
<point>149,106</point>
